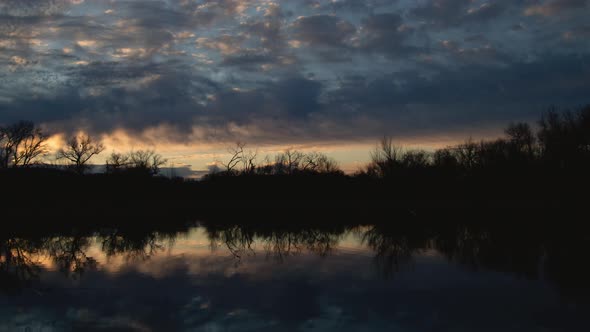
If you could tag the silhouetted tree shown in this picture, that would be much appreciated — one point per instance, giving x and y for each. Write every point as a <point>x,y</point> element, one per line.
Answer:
<point>319,163</point>
<point>522,138</point>
<point>288,162</point>
<point>292,162</point>
<point>145,162</point>
<point>249,161</point>
<point>445,159</point>
<point>564,138</point>
<point>385,158</point>
<point>415,159</point>
<point>241,161</point>
<point>117,162</point>
<point>20,144</point>
<point>467,154</point>
<point>236,157</point>
<point>492,154</point>
<point>79,150</point>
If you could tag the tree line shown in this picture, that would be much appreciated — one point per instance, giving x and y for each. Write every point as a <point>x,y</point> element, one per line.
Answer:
<point>560,141</point>
<point>23,144</point>
<point>244,162</point>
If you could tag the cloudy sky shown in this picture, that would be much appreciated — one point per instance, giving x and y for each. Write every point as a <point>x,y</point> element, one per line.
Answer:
<point>188,77</point>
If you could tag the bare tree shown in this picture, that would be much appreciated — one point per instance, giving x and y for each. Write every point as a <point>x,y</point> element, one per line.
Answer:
<point>21,143</point>
<point>384,158</point>
<point>416,159</point>
<point>79,150</point>
<point>386,151</point>
<point>522,137</point>
<point>141,161</point>
<point>288,161</point>
<point>311,161</point>
<point>467,154</point>
<point>117,162</point>
<point>319,162</point>
<point>237,156</point>
<point>267,167</point>
<point>249,161</point>
<point>146,160</point>
<point>329,165</point>
<point>293,160</point>
<point>445,158</point>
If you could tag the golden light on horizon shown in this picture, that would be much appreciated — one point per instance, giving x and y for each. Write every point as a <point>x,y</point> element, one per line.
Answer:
<point>197,152</point>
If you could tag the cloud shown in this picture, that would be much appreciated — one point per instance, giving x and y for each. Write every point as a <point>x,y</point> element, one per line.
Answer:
<point>287,71</point>
<point>323,30</point>
<point>459,12</point>
<point>407,102</point>
<point>579,32</point>
<point>385,33</point>
<point>554,7</point>
<point>441,11</point>
<point>24,8</point>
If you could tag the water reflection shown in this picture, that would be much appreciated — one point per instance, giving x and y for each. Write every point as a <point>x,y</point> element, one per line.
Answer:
<point>410,276</point>
<point>17,268</point>
<point>277,243</point>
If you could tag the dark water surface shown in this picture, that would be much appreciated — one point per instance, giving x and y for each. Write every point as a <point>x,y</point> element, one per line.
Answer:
<point>354,278</point>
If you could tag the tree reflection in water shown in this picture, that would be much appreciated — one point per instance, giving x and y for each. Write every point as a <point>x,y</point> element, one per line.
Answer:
<point>531,250</point>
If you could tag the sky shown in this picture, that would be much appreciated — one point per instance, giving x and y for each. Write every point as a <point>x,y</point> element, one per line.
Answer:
<point>190,77</point>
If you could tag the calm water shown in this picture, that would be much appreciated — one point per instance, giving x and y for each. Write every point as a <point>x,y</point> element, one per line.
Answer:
<point>237,279</point>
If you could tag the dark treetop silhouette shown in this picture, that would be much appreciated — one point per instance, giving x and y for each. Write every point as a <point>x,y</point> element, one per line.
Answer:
<point>541,169</point>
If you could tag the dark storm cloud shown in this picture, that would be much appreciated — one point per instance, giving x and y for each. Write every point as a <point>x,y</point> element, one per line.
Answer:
<point>288,70</point>
<point>326,36</point>
<point>386,33</point>
<point>518,82</point>
<point>248,60</point>
<point>485,55</point>
<point>323,30</point>
<point>290,99</point>
<point>412,103</point>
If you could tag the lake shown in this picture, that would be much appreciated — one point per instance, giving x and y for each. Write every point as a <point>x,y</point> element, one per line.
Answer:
<point>264,278</point>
